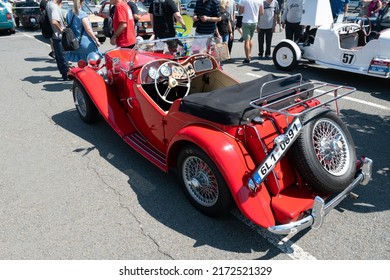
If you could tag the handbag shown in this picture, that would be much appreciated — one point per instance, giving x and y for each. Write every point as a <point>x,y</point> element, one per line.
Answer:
<point>69,40</point>
<point>221,51</point>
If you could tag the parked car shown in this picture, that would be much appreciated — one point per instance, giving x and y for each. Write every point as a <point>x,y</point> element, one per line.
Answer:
<point>183,6</point>
<point>6,22</point>
<point>96,20</point>
<point>27,14</point>
<point>268,145</point>
<point>190,8</point>
<point>144,24</point>
<point>345,46</point>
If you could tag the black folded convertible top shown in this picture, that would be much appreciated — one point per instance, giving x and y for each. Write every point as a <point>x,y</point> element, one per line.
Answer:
<point>230,105</point>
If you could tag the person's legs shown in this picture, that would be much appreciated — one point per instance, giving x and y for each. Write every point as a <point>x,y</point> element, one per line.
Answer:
<point>268,41</point>
<point>289,31</point>
<point>51,54</point>
<point>251,32</point>
<point>297,30</point>
<point>62,64</point>
<point>246,34</point>
<point>239,27</point>
<point>230,42</point>
<point>260,38</point>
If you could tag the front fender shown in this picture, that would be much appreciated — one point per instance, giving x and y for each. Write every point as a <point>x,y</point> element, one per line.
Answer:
<point>235,165</point>
<point>104,99</point>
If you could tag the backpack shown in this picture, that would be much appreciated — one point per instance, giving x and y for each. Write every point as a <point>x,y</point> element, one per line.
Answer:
<point>44,23</point>
<point>69,40</point>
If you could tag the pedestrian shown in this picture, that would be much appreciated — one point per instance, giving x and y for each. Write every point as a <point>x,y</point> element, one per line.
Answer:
<point>162,15</point>
<point>57,23</point>
<point>224,29</point>
<point>279,15</point>
<point>134,9</point>
<point>374,8</point>
<point>291,19</point>
<point>78,21</point>
<point>250,10</point>
<point>231,10</point>
<point>42,7</point>
<point>206,15</point>
<point>339,7</point>
<point>239,22</point>
<point>266,26</point>
<point>123,25</point>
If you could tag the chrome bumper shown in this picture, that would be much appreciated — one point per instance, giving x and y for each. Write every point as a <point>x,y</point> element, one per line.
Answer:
<point>320,209</point>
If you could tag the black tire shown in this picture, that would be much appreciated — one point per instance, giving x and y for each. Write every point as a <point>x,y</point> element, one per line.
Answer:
<point>284,56</point>
<point>202,182</point>
<point>84,105</point>
<point>324,153</point>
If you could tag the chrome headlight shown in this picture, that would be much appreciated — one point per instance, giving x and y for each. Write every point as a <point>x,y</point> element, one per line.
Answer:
<point>145,24</point>
<point>94,59</point>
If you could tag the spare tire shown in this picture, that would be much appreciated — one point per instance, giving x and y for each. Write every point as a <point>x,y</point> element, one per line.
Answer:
<point>324,153</point>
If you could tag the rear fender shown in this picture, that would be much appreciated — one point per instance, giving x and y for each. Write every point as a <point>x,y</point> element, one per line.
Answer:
<point>235,165</point>
<point>297,50</point>
<point>104,99</point>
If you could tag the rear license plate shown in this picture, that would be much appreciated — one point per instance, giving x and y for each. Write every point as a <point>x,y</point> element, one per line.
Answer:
<point>278,151</point>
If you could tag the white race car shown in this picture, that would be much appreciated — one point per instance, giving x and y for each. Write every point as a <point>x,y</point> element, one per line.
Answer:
<point>341,45</point>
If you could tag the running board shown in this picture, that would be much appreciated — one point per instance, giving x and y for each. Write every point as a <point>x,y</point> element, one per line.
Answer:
<point>139,143</point>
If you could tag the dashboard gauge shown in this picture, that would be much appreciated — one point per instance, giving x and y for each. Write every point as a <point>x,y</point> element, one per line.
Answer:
<point>165,71</point>
<point>153,73</point>
<point>180,71</point>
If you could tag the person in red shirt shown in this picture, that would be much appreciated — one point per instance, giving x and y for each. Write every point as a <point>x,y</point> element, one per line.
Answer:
<point>123,25</point>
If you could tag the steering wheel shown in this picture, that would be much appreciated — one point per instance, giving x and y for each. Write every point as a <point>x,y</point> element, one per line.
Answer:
<point>171,74</point>
<point>365,27</point>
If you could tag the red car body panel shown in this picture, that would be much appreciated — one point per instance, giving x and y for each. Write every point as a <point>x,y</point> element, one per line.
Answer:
<point>124,97</point>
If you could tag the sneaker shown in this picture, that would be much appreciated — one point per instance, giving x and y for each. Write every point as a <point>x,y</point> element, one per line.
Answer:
<point>52,55</point>
<point>241,40</point>
<point>246,61</point>
<point>65,78</point>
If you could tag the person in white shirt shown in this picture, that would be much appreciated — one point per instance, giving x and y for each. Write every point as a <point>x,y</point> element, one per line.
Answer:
<point>250,10</point>
<point>291,19</point>
<point>266,26</point>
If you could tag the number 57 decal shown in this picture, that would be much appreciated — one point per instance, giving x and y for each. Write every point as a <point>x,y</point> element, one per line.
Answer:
<point>348,58</point>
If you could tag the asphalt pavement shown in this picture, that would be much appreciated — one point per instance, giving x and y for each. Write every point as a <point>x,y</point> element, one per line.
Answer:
<point>69,190</point>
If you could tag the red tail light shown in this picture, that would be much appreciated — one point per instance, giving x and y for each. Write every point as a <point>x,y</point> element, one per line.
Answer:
<point>9,16</point>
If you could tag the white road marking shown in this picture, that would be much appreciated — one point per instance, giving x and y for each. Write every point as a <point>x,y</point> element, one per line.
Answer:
<point>22,34</point>
<point>254,75</point>
<point>366,103</point>
<point>288,247</point>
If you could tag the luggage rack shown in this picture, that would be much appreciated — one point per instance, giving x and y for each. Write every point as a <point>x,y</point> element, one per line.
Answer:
<point>331,92</point>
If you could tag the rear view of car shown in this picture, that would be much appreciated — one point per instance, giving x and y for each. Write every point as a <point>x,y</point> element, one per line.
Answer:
<point>6,22</point>
<point>144,25</point>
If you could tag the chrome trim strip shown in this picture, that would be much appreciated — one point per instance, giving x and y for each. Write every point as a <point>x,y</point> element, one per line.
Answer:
<point>320,209</point>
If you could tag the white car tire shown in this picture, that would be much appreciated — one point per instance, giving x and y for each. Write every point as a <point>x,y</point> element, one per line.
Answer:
<point>286,55</point>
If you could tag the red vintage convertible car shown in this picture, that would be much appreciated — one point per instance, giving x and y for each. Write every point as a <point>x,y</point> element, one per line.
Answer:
<point>272,146</point>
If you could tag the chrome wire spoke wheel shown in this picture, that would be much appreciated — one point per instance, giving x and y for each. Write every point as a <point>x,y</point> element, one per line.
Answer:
<point>331,147</point>
<point>80,102</point>
<point>200,181</point>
